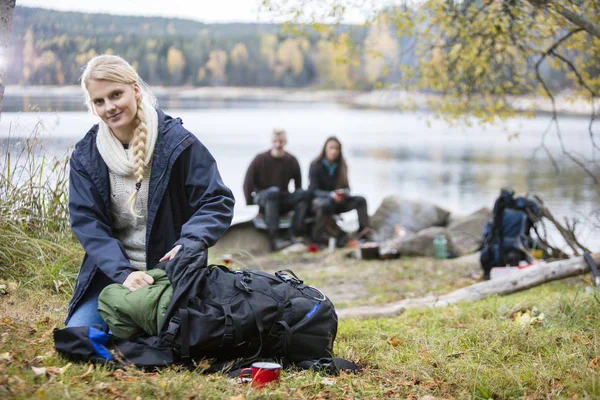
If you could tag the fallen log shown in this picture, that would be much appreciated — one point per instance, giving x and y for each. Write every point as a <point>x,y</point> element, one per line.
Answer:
<point>528,278</point>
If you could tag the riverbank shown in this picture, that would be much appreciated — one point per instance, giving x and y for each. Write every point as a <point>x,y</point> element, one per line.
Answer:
<point>376,99</point>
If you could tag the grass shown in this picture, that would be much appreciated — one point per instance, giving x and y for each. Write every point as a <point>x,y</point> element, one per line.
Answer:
<point>472,350</point>
<point>542,343</point>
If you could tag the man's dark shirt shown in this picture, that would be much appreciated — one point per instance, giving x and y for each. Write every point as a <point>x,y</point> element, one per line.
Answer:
<point>266,171</point>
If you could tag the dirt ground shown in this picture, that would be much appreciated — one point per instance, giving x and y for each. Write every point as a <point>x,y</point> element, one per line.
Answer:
<point>349,282</point>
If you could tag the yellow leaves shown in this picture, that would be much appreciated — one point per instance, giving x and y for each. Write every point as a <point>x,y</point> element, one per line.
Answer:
<point>7,357</point>
<point>290,56</point>
<point>175,60</point>
<point>513,136</point>
<point>239,54</point>
<point>529,317</point>
<point>50,372</point>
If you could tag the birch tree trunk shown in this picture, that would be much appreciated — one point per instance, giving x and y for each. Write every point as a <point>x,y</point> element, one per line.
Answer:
<point>528,278</point>
<point>6,12</point>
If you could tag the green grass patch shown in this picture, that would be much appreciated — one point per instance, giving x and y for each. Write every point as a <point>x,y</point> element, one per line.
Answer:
<point>475,350</point>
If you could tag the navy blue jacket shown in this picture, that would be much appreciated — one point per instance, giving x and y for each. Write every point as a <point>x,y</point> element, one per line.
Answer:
<point>187,202</point>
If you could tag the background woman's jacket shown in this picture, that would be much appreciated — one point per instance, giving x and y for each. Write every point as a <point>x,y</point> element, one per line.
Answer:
<point>321,183</point>
<point>187,202</point>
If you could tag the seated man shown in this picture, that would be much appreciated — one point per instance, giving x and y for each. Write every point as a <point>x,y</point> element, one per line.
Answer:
<point>266,184</point>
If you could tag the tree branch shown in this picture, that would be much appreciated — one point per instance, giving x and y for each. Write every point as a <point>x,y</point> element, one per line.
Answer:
<point>578,20</point>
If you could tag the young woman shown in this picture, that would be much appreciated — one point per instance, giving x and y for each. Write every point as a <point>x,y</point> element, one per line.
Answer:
<point>331,193</point>
<point>141,186</point>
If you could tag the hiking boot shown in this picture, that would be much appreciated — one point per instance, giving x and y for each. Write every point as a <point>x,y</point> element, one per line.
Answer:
<point>341,241</point>
<point>367,235</point>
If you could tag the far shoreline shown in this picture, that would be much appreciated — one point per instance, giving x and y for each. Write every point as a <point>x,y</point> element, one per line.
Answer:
<point>375,99</point>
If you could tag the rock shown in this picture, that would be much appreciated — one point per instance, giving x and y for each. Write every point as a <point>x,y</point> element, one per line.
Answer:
<point>244,237</point>
<point>421,243</point>
<point>466,231</point>
<point>412,215</point>
<point>296,248</point>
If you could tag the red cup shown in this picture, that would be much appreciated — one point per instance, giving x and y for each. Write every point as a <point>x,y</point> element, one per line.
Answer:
<point>226,259</point>
<point>313,248</point>
<point>262,373</point>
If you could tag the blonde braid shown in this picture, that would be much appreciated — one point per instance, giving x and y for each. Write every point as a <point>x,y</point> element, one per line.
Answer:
<point>138,146</point>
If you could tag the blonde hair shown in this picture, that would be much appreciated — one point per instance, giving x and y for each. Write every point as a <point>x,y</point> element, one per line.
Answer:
<point>115,69</point>
<point>277,132</point>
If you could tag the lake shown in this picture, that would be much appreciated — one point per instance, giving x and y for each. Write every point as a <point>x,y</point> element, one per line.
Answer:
<point>388,152</point>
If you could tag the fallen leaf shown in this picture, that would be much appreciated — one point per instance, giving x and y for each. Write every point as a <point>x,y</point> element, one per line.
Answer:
<point>15,383</point>
<point>89,370</point>
<point>38,371</point>
<point>328,382</point>
<point>58,285</point>
<point>6,357</point>
<point>395,342</point>
<point>4,337</point>
<point>240,397</point>
<point>15,380</point>
<point>423,352</point>
<point>595,363</point>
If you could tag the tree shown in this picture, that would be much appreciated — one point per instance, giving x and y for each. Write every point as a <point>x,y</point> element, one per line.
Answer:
<point>290,58</point>
<point>6,11</point>
<point>216,64</point>
<point>239,65</point>
<point>476,55</point>
<point>381,50</point>
<point>175,64</point>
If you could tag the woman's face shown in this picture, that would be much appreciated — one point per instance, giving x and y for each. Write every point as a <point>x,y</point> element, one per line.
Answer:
<point>115,104</point>
<point>332,151</point>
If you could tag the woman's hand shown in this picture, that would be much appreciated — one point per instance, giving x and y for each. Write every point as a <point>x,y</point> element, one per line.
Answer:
<point>137,280</point>
<point>171,254</point>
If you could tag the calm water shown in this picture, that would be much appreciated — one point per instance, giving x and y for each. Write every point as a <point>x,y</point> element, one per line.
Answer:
<point>388,152</point>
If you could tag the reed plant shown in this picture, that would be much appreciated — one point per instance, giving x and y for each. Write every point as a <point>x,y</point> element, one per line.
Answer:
<point>36,244</point>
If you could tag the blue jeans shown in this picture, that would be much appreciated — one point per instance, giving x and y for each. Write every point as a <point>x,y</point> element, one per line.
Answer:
<point>86,313</point>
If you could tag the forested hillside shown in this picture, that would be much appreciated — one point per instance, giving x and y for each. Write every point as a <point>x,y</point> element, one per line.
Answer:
<point>51,47</point>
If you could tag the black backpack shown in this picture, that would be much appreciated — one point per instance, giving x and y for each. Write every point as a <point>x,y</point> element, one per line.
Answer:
<point>229,318</point>
<point>508,233</point>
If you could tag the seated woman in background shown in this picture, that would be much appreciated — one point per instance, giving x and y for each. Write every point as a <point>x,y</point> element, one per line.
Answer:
<point>331,193</point>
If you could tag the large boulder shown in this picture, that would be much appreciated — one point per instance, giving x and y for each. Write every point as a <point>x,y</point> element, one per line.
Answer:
<point>244,237</point>
<point>466,231</point>
<point>411,215</point>
<point>421,243</point>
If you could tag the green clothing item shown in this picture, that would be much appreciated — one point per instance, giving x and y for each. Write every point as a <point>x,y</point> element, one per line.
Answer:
<point>130,314</point>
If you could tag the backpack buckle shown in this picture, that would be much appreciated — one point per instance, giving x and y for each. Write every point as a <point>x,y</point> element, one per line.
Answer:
<point>172,330</point>
<point>289,277</point>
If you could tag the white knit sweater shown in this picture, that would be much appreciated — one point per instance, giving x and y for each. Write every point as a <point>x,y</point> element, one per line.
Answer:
<point>128,229</point>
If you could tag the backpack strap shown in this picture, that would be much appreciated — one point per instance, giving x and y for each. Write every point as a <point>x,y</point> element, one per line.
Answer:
<point>261,330</point>
<point>287,337</point>
<point>184,334</point>
<point>274,331</point>
<point>233,329</point>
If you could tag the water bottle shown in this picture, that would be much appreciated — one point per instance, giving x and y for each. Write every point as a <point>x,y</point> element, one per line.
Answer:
<point>440,247</point>
<point>331,244</point>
